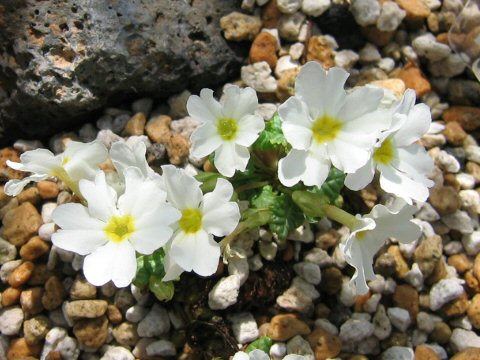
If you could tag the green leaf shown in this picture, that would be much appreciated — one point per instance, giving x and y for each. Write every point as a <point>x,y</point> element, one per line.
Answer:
<point>154,262</point>
<point>310,203</point>
<point>272,136</point>
<point>253,218</point>
<point>208,180</point>
<point>332,186</point>
<point>142,275</point>
<point>162,290</point>
<point>264,343</point>
<point>285,214</point>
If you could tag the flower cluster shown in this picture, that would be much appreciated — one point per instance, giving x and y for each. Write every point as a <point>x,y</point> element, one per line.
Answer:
<point>135,224</point>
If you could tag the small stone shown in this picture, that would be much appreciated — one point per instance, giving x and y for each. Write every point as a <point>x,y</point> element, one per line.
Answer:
<point>11,320</point>
<point>136,125</point>
<point>244,327</point>
<point>8,251</point>
<point>158,129</point>
<point>400,318</point>
<point>289,26</point>
<point>20,349</point>
<point>331,280</point>
<point>427,46</point>
<point>463,339</point>
<point>354,330</point>
<point>21,274</point>
<point>136,313</point>
<point>324,344</point>
<point>143,105</point>
<point>92,332</point>
<point>365,12</point>
<point>468,117</point>
<point>454,133</point>
<point>86,308</point>
<point>445,291</point>
<point>47,189</point>
<point>428,253</point>
<point>413,77</point>
<point>450,66</point>
<point>278,350</point>
<point>460,262</point>
<point>456,307</point>
<point>126,334</point>
<point>81,289</point>
<point>155,323</point>
<point>21,223</point>
<point>398,353</point>
<point>258,76</point>
<point>472,152</point>
<point>57,341</point>
<point>286,84</point>
<point>10,296</point>
<point>224,293</point>
<point>416,9</point>
<point>239,27</point>
<point>383,326</point>
<point>470,199</point>
<point>264,48</point>
<point>460,221</point>
<point>54,293</point>
<point>401,266</point>
<point>310,272</point>
<point>289,6</point>
<point>444,199</point>
<point>441,333</point>
<point>391,16</point>
<point>29,195</point>
<point>319,49</point>
<point>34,248</point>
<point>406,297</point>
<point>285,326</point>
<point>295,299</point>
<point>474,311</point>
<point>31,301</point>
<point>467,354</point>
<point>35,329</point>
<point>299,346</point>
<point>117,353</point>
<point>315,7</point>
<point>113,314</point>
<point>346,59</point>
<point>178,149</point>
<point>161,348</point>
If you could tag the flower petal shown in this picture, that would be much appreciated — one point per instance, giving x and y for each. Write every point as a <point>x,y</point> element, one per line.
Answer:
<point>361,178</point>
<point>183,191</point>
<point>83,159</point>
<point>205,140</point>
<point>239,102</point>
<point>317,167</point>
<point>39,161</point>
<point>230,157</point>
<point>359,102</point>
<point>80,241</point>
<point>417,124</point>
<point>249,127</point>
<point>141,195</point>
<point>396,182</point>
<point>415,162</point>
<point>75,217</point>
<point>14,187</point>
<point>334,90</point>
<point>310,87</point>
<point>297,124</point>
<point>172,270</point>
<point>124,157</point>
<point>292,167</point>
<point>101,198</point>
<point>204,108</point>
<point>197,252</point>
<point>352,155</point>
<point>220,215</point>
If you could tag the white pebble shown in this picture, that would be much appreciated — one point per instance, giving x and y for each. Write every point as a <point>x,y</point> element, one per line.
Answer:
<point>463,339</point>
<point>161,348</point>
<point>398,353</point>
<point>47,210</point>
<point>472,153</point>
<point>255,262</point>
<point>354,330</point>
<point>224,293</point>
<point>155,323</point>
<point>289,6</point>
<point>46,231</point>
<point>239,266</point>
<point>258,76</point>
<point>11,320</point>
<point>371,304</point>
<point>427,46</point>
<point>296,50</point>
<point>315,7</point>
<point>400,318</point>
<point>310,272</point>
<point>425,322</point>
<point>470,200</point>
<point>415,277</point>
<point>386,64</point>
<point>451,66</point>
<point>278,350</point>
<point>117,353</point>
<point>471,243</point>
<point>285,63</point>
<point>460,221</point>
<point>136,313</point>
<point>244,327</point>
<point>445,291</point>
<point>365,12</point>
<point>298,345</point>
<point>326,325</point>
<point>348,293</point>
<point>466,181</point>
<point>448,162</point>
<point>391,16</point>
<point>302,233</point>
<point>369,54</point>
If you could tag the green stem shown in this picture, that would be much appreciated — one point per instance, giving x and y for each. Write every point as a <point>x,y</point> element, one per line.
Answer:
<point>254,185</point>
<point>339,215</point>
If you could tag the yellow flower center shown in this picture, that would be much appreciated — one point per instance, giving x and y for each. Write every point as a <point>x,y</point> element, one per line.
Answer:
<point>65,160</point>
<point>384,154</point>
<point>227,128</point>
<point>326,128</point>
<point>191,220</point>
<point>361,234</point>
<point>120,228</point>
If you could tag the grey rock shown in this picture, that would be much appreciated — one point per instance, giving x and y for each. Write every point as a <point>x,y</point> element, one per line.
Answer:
<point>244,327</point>
<point>8,251</point>
<point>155,323</point>
<point>462,339</point>
<point>70,58</point>
<point>390,17</point>
<point>398,353</point>
<point>117,353</point>
<point>365,12</point>
<point>11,320</point>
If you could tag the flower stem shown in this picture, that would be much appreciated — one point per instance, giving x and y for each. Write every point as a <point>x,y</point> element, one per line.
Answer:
<point>254,185</point>
<point>339,215</point>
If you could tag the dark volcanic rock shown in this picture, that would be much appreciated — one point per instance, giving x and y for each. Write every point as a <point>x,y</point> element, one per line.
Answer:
<point>62,59</point>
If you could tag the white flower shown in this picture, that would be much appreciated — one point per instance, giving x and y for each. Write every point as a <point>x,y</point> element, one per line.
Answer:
<point>78,161</point>
<point>192,246</point>
<point>124,157</point>
<point>403,164</point>
<point>326,126</point>
<point>370,234</point>
<point>228,128</point>
<point>110,231</point>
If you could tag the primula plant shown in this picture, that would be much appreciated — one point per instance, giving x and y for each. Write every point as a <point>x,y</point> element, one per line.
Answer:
<point>137,225</point>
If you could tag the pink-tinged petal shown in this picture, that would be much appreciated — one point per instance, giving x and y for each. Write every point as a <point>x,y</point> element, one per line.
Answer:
<point>205,140</point>
<point>230,157</point>
<point>292,167</point>
<point>360,178</point>
<point>204,108</point>
<point>239,102</point>
<point>297,124</point>
<point>183,191</point>
<point>196,252</point>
